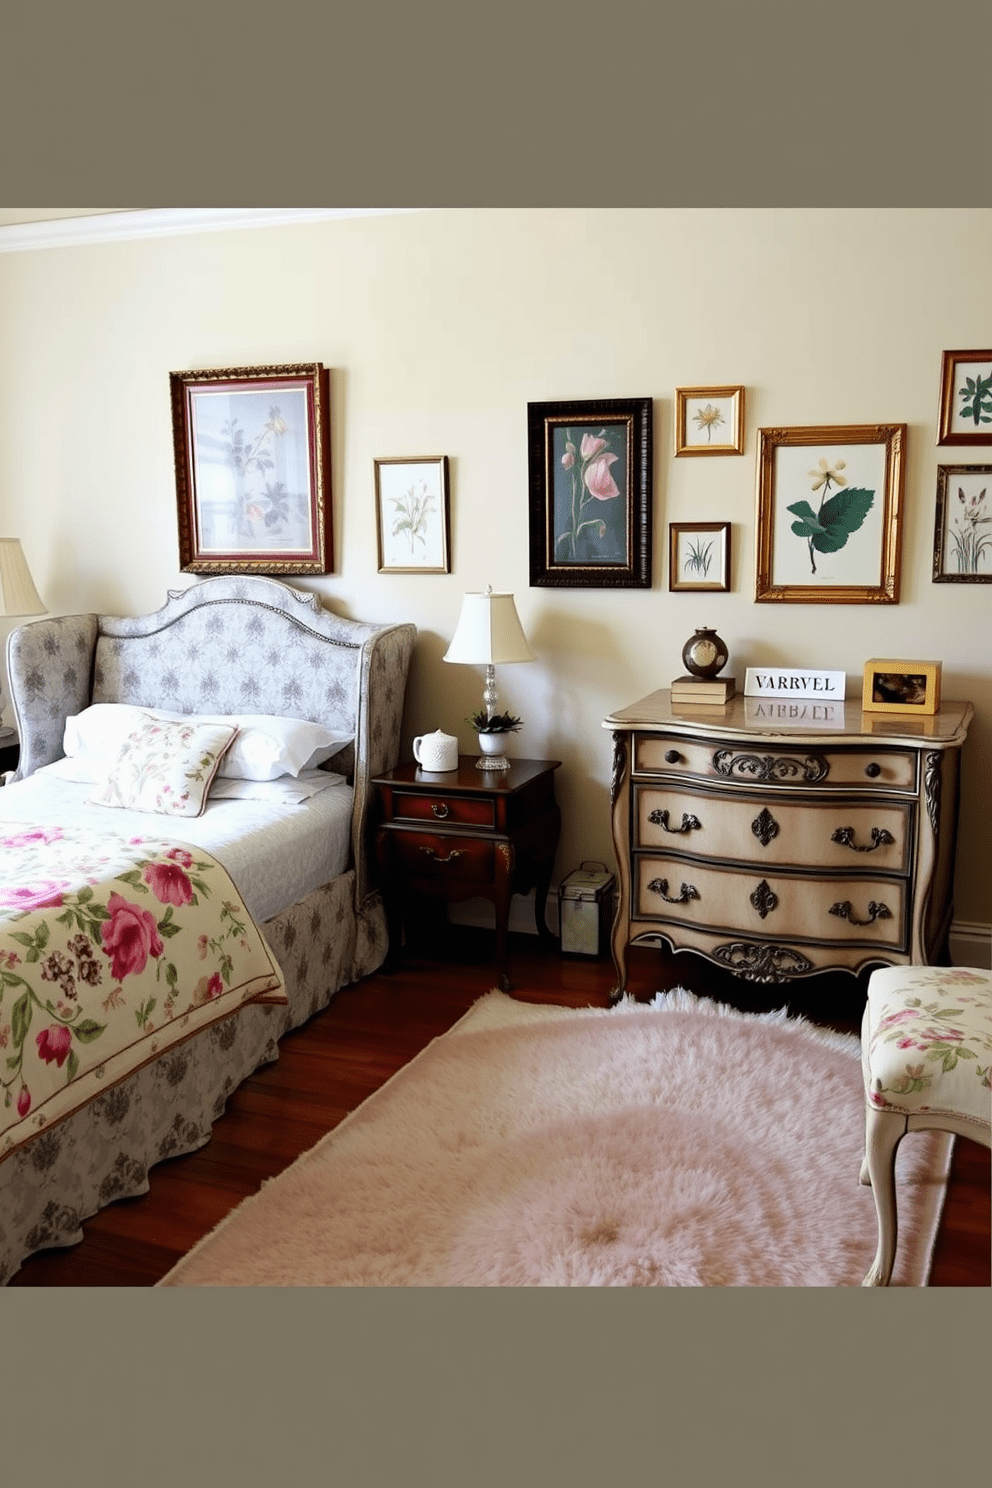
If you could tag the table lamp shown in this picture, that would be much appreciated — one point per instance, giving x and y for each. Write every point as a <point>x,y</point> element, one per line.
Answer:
<point>18,596</point>
<point>489,634</point>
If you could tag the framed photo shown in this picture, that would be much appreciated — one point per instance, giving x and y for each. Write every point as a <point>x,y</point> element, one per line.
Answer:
<point>709,421</point>
<point>699,555</point>
<point>966,398</point>
<point>252,456</point>
<point>962,539</point>
<point>830,514</point>
<point>590,493</point>
<point>901,686</point>
<point>411,514</point>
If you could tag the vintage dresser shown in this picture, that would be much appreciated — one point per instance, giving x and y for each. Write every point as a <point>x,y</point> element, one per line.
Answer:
<point>781,839</point>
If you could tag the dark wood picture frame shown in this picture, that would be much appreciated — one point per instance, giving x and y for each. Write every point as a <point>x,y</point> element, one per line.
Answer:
<point>252,456</point>
<point>965,398</point>
<point>699,556</point>
<point>590,469</point>
<point>962,536</point>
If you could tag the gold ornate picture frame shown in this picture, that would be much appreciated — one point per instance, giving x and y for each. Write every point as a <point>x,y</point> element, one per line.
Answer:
<point>709,420</point>
<point>829,514</point>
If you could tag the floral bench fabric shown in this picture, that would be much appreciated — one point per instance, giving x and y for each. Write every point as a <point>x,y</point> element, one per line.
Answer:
<point>927,1041</point>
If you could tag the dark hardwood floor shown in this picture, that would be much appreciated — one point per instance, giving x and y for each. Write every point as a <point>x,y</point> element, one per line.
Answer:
<point>370,1030</point>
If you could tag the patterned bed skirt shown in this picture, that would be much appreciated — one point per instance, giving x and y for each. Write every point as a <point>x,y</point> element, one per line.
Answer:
<point>105,1151</point>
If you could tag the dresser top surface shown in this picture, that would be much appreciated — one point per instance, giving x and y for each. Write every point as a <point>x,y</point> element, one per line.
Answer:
<point>796,720</point>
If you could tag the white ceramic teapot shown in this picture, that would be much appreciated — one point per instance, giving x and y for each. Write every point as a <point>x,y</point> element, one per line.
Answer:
<point>436,751</point>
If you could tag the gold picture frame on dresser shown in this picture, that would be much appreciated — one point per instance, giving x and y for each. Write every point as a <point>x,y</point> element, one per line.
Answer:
<point>781,849</point>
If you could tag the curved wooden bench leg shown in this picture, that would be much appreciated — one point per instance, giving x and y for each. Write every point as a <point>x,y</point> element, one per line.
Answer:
<point>884,1130</point>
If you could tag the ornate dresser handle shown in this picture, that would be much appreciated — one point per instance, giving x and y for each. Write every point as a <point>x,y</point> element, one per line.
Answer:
<point>686,892</point>
<point>689,823</point>
<point>880,837</point>
<point>439,809</point>
<point>436,857</point>
<point>764,899</point>
<point>876,911</point>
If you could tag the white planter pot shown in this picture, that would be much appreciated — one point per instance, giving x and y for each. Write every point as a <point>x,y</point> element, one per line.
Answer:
<point>492,746</point>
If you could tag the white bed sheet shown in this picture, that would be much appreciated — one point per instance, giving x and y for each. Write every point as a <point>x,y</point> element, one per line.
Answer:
<point>276,853</point>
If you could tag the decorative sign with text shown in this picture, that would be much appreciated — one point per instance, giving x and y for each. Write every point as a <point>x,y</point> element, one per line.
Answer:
<point>795,682</point>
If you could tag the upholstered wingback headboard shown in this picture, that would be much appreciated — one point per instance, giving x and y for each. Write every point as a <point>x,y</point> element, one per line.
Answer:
<point>230,644</point>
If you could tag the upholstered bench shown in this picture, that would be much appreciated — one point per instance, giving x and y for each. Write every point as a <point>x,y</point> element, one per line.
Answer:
<point>926,1052</point>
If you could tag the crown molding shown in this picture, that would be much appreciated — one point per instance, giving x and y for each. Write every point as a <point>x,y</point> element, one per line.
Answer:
<point>158,222</point>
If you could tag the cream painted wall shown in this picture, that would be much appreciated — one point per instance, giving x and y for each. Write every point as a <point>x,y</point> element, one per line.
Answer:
<point>439,328</point>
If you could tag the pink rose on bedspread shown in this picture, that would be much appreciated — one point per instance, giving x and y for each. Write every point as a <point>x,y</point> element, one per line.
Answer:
<point>44,893</point>
<point>23,1101</point>
<point>169,884</point>
<point>181,856</point>
<point>32,837</point>
<point>55,1042</point>
<point>129,937</point>
<point>207,988</point>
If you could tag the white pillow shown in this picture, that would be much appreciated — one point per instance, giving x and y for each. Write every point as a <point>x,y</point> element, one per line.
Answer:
<point>289,790</point>
<point>166,767</point>
<point>267,746</point>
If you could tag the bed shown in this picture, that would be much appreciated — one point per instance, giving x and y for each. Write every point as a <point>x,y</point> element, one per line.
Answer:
<point>288,857</point>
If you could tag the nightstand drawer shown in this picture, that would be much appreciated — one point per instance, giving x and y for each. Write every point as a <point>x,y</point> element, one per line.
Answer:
<point>458,811</point>
<point>421,853</point>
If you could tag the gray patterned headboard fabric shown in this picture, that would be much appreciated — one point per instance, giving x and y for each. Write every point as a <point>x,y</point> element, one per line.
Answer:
<point>230,644</point>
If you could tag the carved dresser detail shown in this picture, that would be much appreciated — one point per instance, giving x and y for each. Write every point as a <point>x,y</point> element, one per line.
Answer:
<point>780,840</point>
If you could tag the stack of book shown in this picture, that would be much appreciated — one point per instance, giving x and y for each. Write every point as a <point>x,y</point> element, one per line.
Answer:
<point>702,691</point>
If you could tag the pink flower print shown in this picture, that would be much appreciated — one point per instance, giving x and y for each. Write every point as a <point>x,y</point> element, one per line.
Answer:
<point>45,893</point>
<point>23,1101</point>
<point>905,1016</point>
<point>33,837</point>
<point>591,445</point>
<point>568,459</point>
<point>129,937</point>
<point>181,856</point>
<point>207,988</point>
<point>202,946</point>
<point>599,481</point>
<point>54,1042</point>
<point>169,884</point>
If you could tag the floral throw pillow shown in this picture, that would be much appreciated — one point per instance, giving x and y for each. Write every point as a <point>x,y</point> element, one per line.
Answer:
<point>166,768</point>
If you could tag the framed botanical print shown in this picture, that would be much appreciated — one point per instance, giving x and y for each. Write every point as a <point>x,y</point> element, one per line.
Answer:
<point>411,514</point>
<point>590,493</point>
<point>699,555</point>
<point>962,541</point>
<point>830,514</point>
<point>252,458</point>
<point>966,398</point>
<point>709,421</point>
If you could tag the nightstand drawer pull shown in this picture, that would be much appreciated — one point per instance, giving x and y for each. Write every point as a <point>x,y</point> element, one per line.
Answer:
<point>873,770</point>
<point>440,810</point>
<point>686,892</point>
<point>672,756</point>
<point>689,823</point>
<point>880,837</point>
<point>875,912</point>
<point>436,857</point>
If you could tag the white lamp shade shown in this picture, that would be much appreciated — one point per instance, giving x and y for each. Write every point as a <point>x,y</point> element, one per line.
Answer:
<point>18,596</point>
<point>489,631</point>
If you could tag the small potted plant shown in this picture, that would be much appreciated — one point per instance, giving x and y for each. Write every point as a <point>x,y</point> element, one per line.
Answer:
<point>491,728</point>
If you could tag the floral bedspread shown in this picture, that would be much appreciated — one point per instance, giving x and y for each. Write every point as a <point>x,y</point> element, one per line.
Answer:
<point>112,949</point>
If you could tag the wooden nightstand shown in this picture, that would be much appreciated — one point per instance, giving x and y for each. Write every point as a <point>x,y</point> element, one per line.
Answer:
<point>466,834</point>
<point>10,748</point>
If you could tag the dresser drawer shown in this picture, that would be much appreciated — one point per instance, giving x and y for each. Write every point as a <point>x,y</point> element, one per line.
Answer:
<point>459,811</point>
<point>871,836</point>
<point>864,910</point>
<point>444,857</point>
<point>752,764</point>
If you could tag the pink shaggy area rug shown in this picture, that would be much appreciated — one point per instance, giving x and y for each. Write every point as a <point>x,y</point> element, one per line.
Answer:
<point>677,1143</point>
